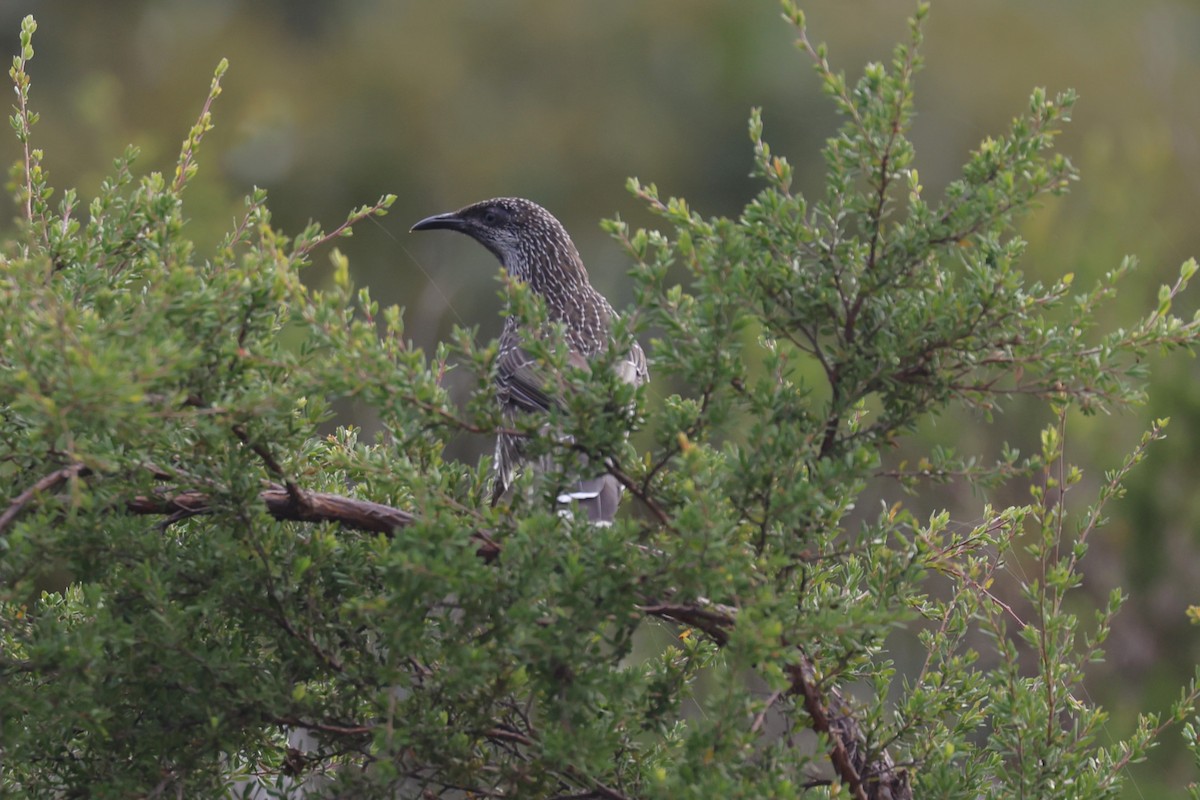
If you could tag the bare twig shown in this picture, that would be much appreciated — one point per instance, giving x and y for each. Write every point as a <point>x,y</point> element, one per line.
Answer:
<point>761,716</point>
<point>46,484</point>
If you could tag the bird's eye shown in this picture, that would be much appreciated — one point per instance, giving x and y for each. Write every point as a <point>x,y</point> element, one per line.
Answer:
<point>494,216</point>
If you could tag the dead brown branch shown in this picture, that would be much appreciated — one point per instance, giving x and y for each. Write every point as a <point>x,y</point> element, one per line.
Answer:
<point>362,515</point>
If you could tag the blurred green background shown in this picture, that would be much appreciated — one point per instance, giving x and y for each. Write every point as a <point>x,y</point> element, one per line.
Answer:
<point>329,105</point>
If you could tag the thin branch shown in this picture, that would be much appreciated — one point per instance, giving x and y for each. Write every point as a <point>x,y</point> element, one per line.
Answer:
<point>676,447</point>
<point>358,216</point>
<point>264,453</point>
<point>505,735</point>
<point>203,125</point>
<point>629,483</point>
<point>46,484</point>
<point>598,789</point>
<point>761,717</point>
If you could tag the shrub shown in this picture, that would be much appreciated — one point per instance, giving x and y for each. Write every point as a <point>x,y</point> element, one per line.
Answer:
<point>204,593</point>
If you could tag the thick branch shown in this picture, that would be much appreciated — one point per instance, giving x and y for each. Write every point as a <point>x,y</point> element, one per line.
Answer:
<point>362,515</point>
<point>715,620</point>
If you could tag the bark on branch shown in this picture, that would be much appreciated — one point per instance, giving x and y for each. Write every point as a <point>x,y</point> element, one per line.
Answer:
<point>303,506</point>
<point>870,774</point>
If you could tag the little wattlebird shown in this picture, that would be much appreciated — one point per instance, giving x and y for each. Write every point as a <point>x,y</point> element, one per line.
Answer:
<point>535,249</point>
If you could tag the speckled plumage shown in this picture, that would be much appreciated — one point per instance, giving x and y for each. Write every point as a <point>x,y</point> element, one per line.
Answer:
<point>535,248</point>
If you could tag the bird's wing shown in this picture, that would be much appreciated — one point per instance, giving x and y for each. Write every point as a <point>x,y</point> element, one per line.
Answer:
<point>522,383</point>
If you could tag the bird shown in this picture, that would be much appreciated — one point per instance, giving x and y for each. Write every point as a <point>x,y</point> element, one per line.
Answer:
<point>535,249</point>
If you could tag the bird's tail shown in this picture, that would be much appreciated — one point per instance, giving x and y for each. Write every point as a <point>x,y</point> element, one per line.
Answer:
<point>599,497</point>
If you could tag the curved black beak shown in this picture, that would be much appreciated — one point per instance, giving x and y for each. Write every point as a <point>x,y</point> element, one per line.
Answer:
<point>449,221</point>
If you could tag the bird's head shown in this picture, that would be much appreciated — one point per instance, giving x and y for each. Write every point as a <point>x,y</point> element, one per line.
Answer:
<point>526,238</point>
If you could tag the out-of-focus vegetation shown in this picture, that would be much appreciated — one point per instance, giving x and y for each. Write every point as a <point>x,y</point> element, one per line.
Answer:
<point>328,106</point>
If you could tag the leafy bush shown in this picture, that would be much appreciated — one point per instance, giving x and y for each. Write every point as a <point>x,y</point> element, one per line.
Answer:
<point>204,592</point>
